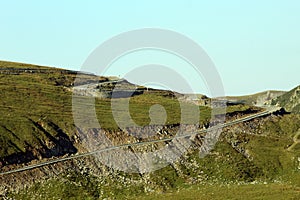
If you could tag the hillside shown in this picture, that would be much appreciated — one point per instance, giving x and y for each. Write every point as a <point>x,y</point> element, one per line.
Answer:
<point>36,114</point>
<point>290,100</point>
<point>36,126</point>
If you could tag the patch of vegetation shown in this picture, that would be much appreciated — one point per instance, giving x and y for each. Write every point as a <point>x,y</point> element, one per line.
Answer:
<point>70,186</point>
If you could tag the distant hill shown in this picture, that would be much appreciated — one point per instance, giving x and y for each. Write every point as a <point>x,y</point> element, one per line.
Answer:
<point>290,100</point>
<point>258,98</point>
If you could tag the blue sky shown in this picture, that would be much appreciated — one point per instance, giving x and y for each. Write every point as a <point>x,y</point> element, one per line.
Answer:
<point>255,45</point>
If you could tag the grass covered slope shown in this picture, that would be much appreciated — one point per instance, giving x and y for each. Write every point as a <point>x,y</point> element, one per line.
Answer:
<point>36,118</point>
<point>35,108</point>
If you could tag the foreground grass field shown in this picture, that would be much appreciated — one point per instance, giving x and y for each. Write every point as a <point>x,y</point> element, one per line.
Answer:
<point>232,192</point>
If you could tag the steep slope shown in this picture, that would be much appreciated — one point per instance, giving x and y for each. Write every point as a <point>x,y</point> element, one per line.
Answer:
<point>35,112</point>
<point>290,100</point>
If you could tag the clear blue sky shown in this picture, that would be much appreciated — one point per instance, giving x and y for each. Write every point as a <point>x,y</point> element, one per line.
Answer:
<point>255,45</point>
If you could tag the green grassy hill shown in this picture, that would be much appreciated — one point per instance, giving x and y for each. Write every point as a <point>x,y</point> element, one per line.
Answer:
<point>36,111</point>
<point>251,160</point>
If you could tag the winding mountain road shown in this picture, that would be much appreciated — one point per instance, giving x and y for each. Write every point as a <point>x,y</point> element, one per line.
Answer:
<point>268,110</point>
